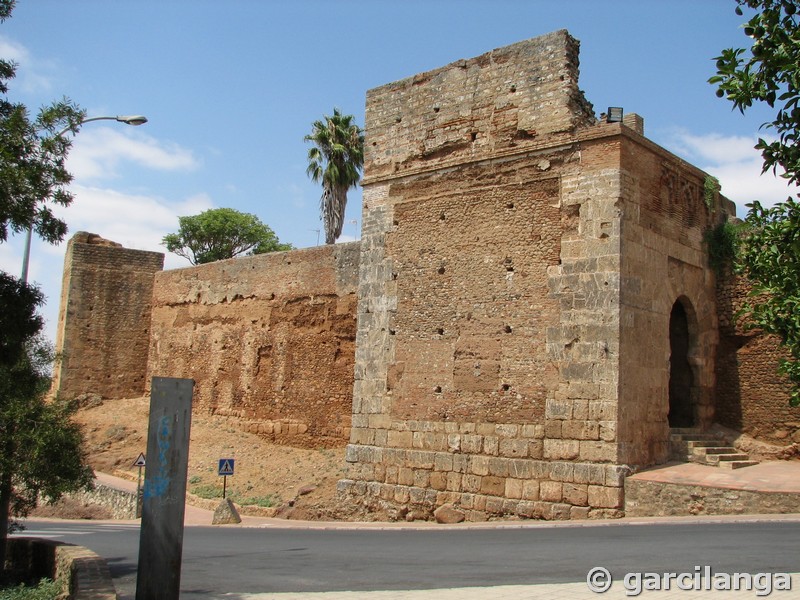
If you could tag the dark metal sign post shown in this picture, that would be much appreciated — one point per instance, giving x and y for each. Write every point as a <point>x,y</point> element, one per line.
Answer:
<point>164,496</point>
<point>140,462</point>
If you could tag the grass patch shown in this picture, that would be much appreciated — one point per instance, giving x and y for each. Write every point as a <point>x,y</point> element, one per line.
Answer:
<point>211,492</point>
<point>47,589</point>
<point>267,501</point>
<point>208,491</point>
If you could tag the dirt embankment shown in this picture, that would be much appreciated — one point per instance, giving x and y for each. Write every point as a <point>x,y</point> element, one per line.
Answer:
<point>272,479</point>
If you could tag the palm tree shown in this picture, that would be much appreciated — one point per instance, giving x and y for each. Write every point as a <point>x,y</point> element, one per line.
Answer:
<point>335,160</point>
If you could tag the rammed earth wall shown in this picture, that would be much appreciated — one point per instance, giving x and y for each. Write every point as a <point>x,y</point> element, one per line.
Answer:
<point>268,339</point>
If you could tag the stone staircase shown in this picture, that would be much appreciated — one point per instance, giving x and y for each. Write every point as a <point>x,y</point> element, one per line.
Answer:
<point>692,445</point>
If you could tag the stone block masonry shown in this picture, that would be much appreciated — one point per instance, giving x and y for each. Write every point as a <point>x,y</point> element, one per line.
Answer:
<point>103,330</point>
<point>268,339</point>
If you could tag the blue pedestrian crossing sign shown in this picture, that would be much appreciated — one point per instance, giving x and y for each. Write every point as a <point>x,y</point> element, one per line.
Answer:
<point>225,466</point>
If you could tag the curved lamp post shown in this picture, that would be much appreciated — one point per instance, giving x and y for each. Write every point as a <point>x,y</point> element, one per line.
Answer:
<point>128,120</point>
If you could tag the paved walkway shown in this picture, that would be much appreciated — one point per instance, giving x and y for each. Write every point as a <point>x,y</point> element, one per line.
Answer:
<point>564,591</point>
<point>773,476</point>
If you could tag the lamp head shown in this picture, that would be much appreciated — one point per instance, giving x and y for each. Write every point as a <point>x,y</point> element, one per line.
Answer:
<point>132,119</point>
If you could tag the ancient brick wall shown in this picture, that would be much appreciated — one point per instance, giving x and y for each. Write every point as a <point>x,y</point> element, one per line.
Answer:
<point>268,339</point>
<point>478,378</point>
<point>104,318</point>
<point>750,395</point>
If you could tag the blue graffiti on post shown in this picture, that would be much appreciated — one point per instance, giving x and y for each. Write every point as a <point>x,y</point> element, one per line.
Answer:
<point>157,486</point>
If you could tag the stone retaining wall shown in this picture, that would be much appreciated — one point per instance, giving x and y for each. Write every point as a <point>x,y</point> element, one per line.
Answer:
<point>122,504</point>
<point>656,499</point>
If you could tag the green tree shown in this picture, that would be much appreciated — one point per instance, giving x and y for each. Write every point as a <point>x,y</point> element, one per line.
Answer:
<point>40,448</point>
<point>221,233</point>
<point>768,72</point>
<point>41,452</point>
<point>32,157</point>
<point>335,160</point>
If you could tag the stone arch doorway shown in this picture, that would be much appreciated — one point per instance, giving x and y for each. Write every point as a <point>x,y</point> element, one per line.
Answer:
<point>681,376</point>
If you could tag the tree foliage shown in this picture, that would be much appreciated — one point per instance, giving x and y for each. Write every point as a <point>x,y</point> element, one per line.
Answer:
<point>32,159</point>
<point>769,246</point>
<point>335,160</point>
<point>769,256</point>
<point>221,233</point>
<point>41,451</point>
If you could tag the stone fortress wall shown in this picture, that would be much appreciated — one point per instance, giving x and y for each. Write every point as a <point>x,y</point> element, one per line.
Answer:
<point>528,310</point>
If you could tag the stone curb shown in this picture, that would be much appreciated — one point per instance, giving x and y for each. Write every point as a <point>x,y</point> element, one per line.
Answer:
<point>90,578</point>
<point>273,523</point>
<point>83,574</point>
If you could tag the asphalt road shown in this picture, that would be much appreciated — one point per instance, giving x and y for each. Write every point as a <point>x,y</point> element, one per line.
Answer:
<point>224,562</point>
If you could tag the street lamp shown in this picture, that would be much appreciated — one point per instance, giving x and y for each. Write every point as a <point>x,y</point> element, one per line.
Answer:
<point>135,120</point>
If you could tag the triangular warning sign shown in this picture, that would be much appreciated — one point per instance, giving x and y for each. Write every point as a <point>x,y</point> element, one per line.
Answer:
<point>139,462</point>
<point>226,466</point>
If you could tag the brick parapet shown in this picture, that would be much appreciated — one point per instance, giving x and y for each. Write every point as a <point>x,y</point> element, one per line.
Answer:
<point>507,99</point>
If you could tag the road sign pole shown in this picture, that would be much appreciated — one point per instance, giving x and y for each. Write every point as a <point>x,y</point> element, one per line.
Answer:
<point>224,486</point>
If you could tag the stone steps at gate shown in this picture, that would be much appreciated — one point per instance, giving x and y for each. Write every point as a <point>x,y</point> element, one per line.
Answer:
<point>693,445</point>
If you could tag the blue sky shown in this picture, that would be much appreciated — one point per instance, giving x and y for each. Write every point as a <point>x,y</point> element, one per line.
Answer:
<point>230,89</point>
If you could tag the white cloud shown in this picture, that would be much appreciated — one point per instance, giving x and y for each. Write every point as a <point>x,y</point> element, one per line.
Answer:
<point>98,151</point>
<point>716,147</point>
<point>135,221</point>
<point>11,50</point>
<point>32,75</point>
<point>736,163</point>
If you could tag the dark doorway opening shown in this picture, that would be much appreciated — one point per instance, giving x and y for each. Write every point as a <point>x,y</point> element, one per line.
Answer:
<point>681,378</point>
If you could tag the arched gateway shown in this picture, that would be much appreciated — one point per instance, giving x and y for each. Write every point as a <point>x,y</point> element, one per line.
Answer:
<point>681,377</point>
